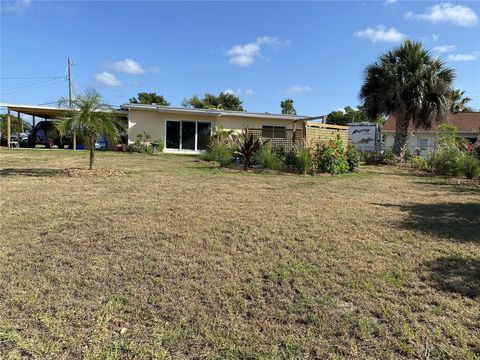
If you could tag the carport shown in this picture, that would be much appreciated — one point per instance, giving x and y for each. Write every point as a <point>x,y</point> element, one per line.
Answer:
<point>46,113</point>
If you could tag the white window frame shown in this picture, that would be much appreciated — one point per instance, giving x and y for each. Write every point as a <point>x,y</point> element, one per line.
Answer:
<point>423,147</point>
<point>180,149</point>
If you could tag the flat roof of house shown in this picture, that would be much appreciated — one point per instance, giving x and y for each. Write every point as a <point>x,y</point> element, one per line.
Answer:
<point>214,112</point>
<point>465,122</point>
<point>47,112</point>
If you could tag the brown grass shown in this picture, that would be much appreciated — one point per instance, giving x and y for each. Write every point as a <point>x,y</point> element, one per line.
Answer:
<point>178,259</point>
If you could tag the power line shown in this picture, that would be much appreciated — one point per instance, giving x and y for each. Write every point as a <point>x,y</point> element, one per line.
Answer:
<point>41,72</point>
<point>32,78</point>
<point>31,88</point>
<point>27,86</point>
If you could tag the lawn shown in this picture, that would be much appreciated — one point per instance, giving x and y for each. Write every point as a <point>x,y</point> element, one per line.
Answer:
<point>179,259</point>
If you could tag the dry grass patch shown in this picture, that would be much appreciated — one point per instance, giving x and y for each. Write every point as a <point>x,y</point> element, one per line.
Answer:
<point>92,173</point>
<point>181,260</point>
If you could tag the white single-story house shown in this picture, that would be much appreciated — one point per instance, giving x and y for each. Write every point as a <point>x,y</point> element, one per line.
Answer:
<point>422,141</point>
<point>186,130</point>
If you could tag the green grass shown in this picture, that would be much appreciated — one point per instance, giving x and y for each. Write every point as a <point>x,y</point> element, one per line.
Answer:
<point>182,259</point>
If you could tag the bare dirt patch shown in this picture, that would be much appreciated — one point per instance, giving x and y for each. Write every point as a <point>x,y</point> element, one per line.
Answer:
<point>105,172</point>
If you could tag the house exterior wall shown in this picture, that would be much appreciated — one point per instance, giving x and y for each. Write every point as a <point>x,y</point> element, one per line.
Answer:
<point>238,123</point>
<point>414,141</point>
<point>420,143</point>
<point>153,122</point>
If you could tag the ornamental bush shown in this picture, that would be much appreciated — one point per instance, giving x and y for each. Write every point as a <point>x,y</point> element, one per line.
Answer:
<point>353,158</point>
<point>330,157</point>
<point>268,158</point>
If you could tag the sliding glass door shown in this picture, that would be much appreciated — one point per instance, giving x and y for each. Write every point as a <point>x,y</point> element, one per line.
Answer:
<point>187,135</point>
<point>173,135</point>
<point>203,133</point>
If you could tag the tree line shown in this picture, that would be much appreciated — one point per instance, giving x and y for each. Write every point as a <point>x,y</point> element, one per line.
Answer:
<point>222,101</point>
<point>229,101</point>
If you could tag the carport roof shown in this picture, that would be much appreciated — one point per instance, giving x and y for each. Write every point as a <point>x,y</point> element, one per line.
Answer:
<point>46,112</point>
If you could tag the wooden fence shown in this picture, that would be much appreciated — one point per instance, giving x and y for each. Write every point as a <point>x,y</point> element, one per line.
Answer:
<point>316,133</point>
<point>313,134</point>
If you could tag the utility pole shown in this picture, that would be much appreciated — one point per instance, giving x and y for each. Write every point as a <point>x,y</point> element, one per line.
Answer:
<point>69,76</point>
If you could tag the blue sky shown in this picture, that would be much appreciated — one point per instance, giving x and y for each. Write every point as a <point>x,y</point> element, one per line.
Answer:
<point>312,52</point>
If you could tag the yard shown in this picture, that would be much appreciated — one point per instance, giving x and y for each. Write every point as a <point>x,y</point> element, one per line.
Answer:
<point>178,259</point>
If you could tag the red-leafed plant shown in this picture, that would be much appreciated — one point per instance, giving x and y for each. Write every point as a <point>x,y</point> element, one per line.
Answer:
<point>247,147</point>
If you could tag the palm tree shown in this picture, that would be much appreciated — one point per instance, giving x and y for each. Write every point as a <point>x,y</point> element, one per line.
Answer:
<point>88,118</point>
<point>459,101</point>
<point>408,83</point>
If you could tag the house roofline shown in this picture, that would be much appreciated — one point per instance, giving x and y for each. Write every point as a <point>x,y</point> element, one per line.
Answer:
<point>214,112</point>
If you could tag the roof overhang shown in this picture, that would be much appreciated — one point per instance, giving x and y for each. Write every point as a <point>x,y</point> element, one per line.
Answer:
<point>212,112</point>
<point>48,112</point>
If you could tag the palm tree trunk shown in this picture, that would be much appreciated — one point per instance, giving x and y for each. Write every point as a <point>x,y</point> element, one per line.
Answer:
<point>401,135</point>
<point>92,152</point>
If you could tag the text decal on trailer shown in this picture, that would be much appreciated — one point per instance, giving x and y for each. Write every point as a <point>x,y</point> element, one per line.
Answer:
<point>360,131</point>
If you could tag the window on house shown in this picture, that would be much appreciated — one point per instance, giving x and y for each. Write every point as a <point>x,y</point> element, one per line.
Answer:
<point>423,144</point>
<point>271,131</point>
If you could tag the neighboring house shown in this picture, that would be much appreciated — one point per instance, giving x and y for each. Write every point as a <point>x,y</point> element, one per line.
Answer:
<point>185,130</point>
<point>421,141</point>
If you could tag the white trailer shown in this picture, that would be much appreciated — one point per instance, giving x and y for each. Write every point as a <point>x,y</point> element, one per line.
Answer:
<point>365,136</point>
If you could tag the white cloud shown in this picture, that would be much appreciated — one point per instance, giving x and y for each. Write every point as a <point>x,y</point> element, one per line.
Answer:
<point>435,37</point>
<point>390,2</point>
<point>154,70</point>
<point>245,55</point>
<point>444,48</point>
<point>448,13</point>
<point>108,79</point>
<point>464,57</point>
<point>18,6</point>
<point>127,66</point>
<point>381,33</point>
<point>298,89</point>
<point>238,92</point>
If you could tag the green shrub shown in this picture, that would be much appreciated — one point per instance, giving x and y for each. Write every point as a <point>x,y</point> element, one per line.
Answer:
<point>141,145</point>
<point>453,156</point>
<point>330,157</point>
<point>476,150</point>
<point>407,156</point>
<point>448,161</point>
<point>220,135</point>
<point>353,158</point>
<point>471,167</point>
<point>220,152</point>
<point>419,163</point>
<point>373,157</point>
<point>290,161</point>
<point>303,160</point>
<point>385,157</point>
<point>389,157</point>
<point>268,158</point>
<point>158,145</point>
